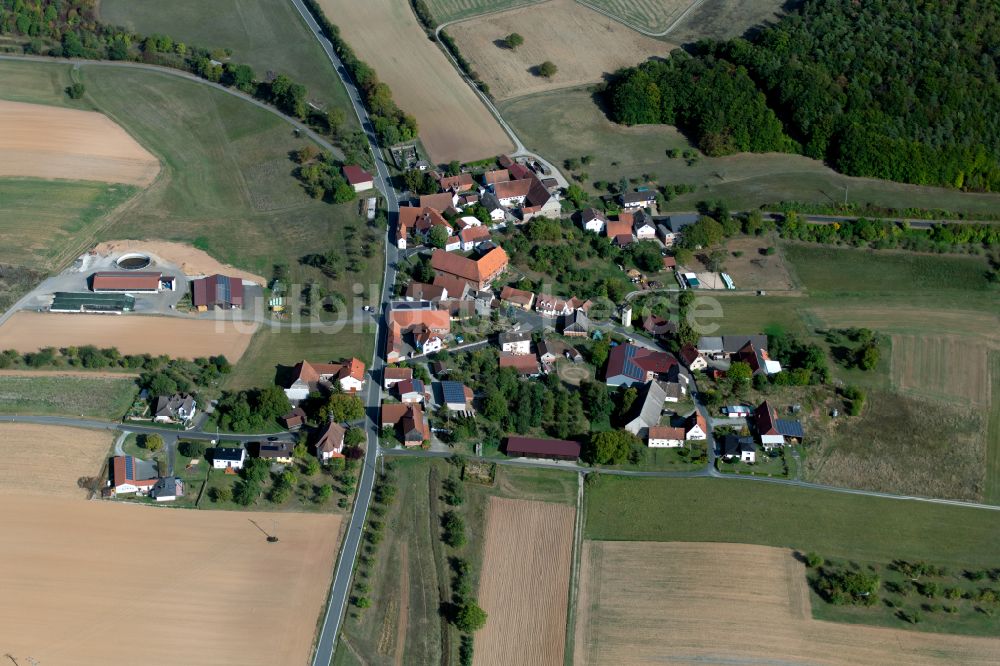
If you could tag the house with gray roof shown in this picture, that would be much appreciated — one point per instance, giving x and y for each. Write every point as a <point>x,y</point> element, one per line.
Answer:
<point>649,410</point>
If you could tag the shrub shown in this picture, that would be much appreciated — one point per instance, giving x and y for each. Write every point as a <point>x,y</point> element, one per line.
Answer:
<point>192,449</point>
<point>813,560</point>
<point>76,91</point>
<point>221,494</point>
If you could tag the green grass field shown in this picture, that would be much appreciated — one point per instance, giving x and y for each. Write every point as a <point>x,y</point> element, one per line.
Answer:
<point>43,222</point>
<point>268,35</point>
<point>824,269</point>
<point>569,124</point>
<point>97,397</point>
<point>273,352</point>
<point>648,15</point>
<point>992,492</point>
<point>833,524</point>
<point>451,10</point>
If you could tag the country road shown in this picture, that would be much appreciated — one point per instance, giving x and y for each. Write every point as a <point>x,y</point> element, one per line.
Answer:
<point>344,569</point>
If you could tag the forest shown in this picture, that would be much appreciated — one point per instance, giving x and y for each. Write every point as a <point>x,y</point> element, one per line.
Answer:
<point>904,90</point>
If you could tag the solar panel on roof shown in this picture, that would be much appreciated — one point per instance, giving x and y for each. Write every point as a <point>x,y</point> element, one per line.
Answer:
<point>629,367</point>
<point>453,392</point>
<point>129,467</point>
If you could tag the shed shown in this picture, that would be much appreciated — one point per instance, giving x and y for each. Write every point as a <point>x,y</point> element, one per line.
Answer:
<point>530,447</point>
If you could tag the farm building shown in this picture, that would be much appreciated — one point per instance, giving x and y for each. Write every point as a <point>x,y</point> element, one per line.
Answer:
<point>131,475</point>
<point>772,430</point>
<point>463,182</point>
<point>358,178</point>
<point>64,301</point>
<point>477,273</point>
<point>530,447</point>
<point>647,410</point>
<point>665,437</point>
<point>409,422</point>
<point>550,351</point>
<point>575,325</point>
<point>232,457</point>
<point>123,282</point>
<point>525,364</point>
<point>629,364</point>
<point>696,427</point>
<point>217,292</point>
<point>426,328</point>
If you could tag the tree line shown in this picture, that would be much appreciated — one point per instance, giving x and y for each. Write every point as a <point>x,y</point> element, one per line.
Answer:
<point>392,124</point>
<point>896,89</point>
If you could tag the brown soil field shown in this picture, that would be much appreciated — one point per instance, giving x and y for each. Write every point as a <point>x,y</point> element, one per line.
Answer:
<point>524,585</point>
<point>106,583</point>
<point>753,269</point>
<point>952,368</point>
<point>49,459</point>
<point>131,334</point>
<point>583,44</point>
<point>51,142</point>
<point>649,603</point>
<point>454,124</point>
<point>189,259</point>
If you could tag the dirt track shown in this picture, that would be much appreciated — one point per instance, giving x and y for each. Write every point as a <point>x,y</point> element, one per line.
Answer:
<point>647,603</point>
<point>51,142</point>
<point>453,123</point>
<point>189,259</point>
<point>49,458</point>
<point>582,43</point>
<point>131,334</point>
<point>524,585</point>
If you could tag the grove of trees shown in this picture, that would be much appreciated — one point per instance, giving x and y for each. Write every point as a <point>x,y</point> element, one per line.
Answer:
<point>895,89</point>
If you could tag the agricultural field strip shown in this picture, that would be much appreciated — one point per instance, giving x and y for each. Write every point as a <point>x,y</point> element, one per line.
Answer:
<point>652,18</point>
<point>524,585</point>
<point>992,490</point>
<point>949,368</point>
<point>632,590</point>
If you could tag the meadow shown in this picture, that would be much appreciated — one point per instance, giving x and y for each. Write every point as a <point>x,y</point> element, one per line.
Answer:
<point>837,525</point>
<point>650,16</point>
<point>268,35</point>
<point>570,124</point>
<point>93,397</point>
<point>992,493</point>
<point>445,11</point>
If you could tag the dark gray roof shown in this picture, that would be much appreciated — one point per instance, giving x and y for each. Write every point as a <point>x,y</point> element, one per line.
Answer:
<point>677,222</point>
<point>733,445</point>
<point>733,343</point>
<point>514,336</point>
<point>227,453</point>
<point>453,392</point>
<point>576,322</point>
<point>652,405</point>
<point>789,428</point>
<point>168,486</point>
<point>638,197</point>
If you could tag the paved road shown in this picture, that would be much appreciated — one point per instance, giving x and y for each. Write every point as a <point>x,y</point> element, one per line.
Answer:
<point>340,590</point>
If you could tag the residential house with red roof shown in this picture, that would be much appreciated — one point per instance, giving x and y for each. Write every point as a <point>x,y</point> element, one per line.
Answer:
<point>477,273</point>
<point>629,364</point>
<point>131,475</point>
<point>425,326</point>
<point>665,437</point>
<point>330,443</point>
<point>308,377</point>
<point>409,421</point>
<point>517,297</point>
<point>463,182</point>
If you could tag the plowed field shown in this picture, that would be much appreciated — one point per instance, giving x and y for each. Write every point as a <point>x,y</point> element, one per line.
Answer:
<point>524,585</point>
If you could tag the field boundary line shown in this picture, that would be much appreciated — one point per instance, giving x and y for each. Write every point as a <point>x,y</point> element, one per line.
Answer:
<point>992,487</point>
<point>625,22</point>
<point>574,575</point>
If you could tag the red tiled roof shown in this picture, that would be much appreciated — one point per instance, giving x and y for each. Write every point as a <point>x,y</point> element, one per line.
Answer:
<point>332,440</point>
<point>478,271</point>
<point>524,363</point>
<point>765,417</point>
<point>534,446</point>
<point>634,362</point>
<point>313,372</point>
<point>355,175</point>
<point>619,227</point>
<point>459,183</point>
<point>425,292</point>
<point>472,234</point>
<point>398,373</point>
<point>518,296</point>
<point>212,290</point>
<point>441,201</point>
<point>455,286</point>
<point>689,354</point>
<point>512,188</point>
<point>666,432</point>
<point>496,176</point>
<point>519,171</point>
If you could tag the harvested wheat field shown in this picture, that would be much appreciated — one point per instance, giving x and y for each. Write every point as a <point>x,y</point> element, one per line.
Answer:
<point>943,367</point>
<point>106,583</point>
<point>646,603</point>
<point>49,458</point>
<point>453,122</point>
<point>51,142</point>
<point>582,43</point>
<point>189,259</point>
<point>524,585</point>
<point>131,334</point>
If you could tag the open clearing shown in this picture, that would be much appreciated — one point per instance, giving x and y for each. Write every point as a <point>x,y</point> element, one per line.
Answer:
<point>755,270</point>
<point>213,572</point>
<point>657,602</point>
<point>524,585</point>
<point>189,259</point>
<point>268,35</point>
<point>570,124</point>
<point>49,458</point>
<point>452,10</point>
<point>948,368</point>
<point>720,19</point>
<point>50,142</point>
<point>453,123</point>
<point>131,334</point>
<point>583,44</point>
